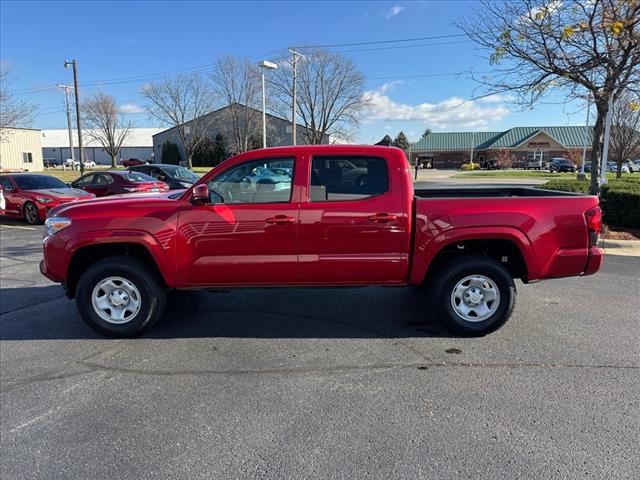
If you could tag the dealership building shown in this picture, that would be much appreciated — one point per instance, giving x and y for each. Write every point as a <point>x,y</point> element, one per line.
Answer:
<point>452,149</point>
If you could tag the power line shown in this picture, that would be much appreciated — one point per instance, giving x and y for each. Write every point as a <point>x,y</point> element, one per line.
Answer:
<point>376,42</point>
<point>402,46</point>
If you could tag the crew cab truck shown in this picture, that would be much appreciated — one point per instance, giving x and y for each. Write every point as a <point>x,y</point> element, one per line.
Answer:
<point>300,216</point>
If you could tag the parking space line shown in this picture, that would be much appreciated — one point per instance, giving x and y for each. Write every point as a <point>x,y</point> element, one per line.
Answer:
<point>18,227</point>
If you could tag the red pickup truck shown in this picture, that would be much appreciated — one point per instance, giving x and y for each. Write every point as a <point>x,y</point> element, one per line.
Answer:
<point>318,216</point>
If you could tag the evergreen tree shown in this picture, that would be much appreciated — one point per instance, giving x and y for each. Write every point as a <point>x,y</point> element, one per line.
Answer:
<point>170,153</point>
<point>402,142</point>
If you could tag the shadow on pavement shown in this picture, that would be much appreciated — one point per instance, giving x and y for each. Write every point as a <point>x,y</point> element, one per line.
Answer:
<point>44,313</point>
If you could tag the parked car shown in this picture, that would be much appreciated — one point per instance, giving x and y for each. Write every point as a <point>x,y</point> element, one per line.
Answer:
<point>612,167</point>
<point>32,195</point>
<point>112,182</point>
<point>2,201</point>
<point>587,167</point>
<point>131,162</point>
<point>561,165</point>
<point>173,175</point>
<point>76,164</point>
<point>631,166</point>
<point>465,245</point>
<point>51,162</point>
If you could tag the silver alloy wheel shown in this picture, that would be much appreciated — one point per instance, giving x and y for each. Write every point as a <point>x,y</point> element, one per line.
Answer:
<point>475,298</point>
<point>116,300</point>
<point>31,213</point>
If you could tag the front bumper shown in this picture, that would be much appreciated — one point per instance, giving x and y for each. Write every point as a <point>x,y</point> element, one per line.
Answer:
<point>594,261</point>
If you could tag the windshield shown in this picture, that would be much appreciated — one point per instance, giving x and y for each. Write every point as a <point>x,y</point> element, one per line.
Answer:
<point>137,177</point>
<point>563,161</point>
<point>38,182</point>
<point>181,173</point>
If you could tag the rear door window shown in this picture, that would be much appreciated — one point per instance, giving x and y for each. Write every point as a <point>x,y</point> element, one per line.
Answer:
<point>341,178</point>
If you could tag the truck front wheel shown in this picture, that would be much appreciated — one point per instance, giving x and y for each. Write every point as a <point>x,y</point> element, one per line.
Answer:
<point>120,296</point>
<point>474,295</point>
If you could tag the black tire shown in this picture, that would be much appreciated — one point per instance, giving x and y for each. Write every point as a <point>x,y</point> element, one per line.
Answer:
<point>446,278</point>
<point>30,213</point>
<point>152,295</point>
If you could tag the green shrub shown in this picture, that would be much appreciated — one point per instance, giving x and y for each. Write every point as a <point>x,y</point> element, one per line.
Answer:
<point>619,200</point>
<point>170,153</point>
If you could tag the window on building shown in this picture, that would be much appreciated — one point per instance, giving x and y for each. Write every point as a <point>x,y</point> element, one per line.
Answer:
<point>336,178</point>
<point>27,157</point>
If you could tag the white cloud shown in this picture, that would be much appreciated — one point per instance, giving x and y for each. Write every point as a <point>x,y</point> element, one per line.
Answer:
<point>389,86</point>
<point>496,98</point>
<point>393,11</point>
<point>131,108</point>
<point>453,112</point>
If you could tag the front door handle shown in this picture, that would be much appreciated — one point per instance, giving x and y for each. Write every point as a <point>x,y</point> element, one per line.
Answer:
<point>382,218</point>
<point>280,220</point>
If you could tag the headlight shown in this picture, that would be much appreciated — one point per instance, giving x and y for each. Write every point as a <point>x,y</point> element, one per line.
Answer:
<point>43,199</point>
<point>53,225</point>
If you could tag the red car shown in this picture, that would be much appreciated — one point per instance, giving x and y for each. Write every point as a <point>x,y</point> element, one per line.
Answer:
<point>132,162</point>
<point>32,195</point>
<point>112,182</point>
<point>319,227</point>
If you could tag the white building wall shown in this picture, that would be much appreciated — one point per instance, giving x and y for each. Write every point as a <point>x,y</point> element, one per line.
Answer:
<point>20,149</point>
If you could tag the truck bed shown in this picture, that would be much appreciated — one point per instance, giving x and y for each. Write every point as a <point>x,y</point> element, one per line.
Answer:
<point>483,191</point>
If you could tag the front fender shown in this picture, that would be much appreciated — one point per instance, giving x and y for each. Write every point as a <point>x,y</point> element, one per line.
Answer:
<point>161,250</point>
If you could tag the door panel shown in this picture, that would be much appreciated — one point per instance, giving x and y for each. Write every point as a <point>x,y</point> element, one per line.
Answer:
<point>353,241</point>
<point>249,236</point>
<point>236,244</point>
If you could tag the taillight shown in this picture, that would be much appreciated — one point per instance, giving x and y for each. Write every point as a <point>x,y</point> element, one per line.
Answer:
<point>593,216</point>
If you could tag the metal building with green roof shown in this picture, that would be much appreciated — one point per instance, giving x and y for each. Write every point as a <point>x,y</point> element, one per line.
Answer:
<point>522,145</point>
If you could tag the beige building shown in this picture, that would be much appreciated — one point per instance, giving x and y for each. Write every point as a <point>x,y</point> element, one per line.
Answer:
<point>20,150</point>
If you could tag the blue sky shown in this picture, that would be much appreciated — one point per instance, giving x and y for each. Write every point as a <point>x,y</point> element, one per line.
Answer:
<point>115,41</point>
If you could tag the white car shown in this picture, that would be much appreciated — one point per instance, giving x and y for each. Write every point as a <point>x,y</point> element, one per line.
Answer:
<point>633,165</point>
<point>76,164</point>
<point>612,167</point>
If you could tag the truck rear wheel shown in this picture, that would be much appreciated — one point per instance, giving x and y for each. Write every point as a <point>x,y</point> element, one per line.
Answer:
<point>474,295</point>
<point>120,296</point>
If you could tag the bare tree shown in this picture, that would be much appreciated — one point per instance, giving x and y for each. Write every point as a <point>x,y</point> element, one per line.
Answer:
<point>182,102</point>
<point>106,124</point>
<point>625,129</point>
<point>13,113</point>
<point>577,47</point>
<point>330,94</point>
<point>504,159</point>
<point>238,84</point>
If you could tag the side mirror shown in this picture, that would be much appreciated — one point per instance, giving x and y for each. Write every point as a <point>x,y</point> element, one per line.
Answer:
<point>200,193</point>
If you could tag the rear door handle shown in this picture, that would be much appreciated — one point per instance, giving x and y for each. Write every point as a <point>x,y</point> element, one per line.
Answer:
<point>382,218</point>
<point>280,220</point>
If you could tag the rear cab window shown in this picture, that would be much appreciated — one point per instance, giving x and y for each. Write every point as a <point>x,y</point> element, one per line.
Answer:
<point>347,177</point>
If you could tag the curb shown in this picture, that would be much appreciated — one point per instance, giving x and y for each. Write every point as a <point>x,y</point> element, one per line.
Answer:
<point>629,248</point>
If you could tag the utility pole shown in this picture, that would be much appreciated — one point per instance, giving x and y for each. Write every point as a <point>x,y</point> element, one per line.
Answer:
<point>66,89</point>
<point>75,88</point>
<point>293,103</point>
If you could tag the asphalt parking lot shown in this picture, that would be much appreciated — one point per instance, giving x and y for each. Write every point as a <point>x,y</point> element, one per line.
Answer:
<point>332,383</point>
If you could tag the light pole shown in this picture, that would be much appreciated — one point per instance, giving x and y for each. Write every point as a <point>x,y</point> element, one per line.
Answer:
<point>605,147</point>
<point>294,63</point>
<point>264,65</point>
<point>75,89</point>
<point>66,89</point>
